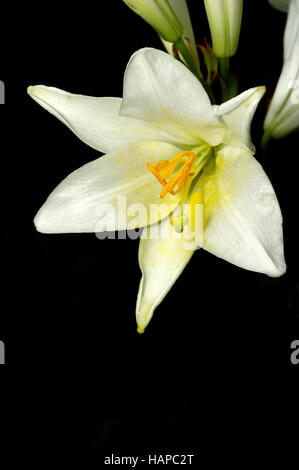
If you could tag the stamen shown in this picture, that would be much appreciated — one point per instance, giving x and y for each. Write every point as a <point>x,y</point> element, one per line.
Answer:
<point>164,169</point>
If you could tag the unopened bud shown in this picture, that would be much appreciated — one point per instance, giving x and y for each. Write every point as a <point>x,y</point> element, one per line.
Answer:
<point>225,23</point>
<point>160,15</point>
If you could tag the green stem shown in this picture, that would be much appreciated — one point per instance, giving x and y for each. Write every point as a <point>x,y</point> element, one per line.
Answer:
<point>190,62</point>
<point>188,57</point>
<point>265,140</point>
<point>224,66</point>
<point>229,83</point>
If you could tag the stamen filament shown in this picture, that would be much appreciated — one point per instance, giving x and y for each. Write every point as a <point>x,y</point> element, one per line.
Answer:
<point>164,169</point>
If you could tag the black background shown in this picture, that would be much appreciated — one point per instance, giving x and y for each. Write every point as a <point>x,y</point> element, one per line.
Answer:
<point>212,374</point>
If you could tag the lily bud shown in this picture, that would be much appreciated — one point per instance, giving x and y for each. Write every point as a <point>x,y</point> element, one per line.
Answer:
<point>282,117</point>
<point>225,23</point>
<point>160,15</point>
<point>181,10</point>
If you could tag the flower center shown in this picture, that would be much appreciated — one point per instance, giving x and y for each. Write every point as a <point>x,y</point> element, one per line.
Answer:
<point>165,169</point>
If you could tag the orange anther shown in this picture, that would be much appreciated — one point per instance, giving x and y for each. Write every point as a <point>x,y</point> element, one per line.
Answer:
<point>164,169</point>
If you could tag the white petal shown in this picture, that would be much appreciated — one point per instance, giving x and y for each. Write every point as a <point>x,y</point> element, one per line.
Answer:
<point>162,91</point>
<point>96,121</point>
<point>282,115</point>
<point>161,262</point>
<point>88,199</point>
<point>243,222</point>
<point>237,115</point>
<point>291,30</point>
<point>288,124</point>
<point>282,5</point>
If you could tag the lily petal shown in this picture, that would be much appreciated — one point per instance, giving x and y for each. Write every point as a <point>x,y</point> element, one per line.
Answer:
<point>95,121</point>
<point>291,30</point>
<point>289,123</point>
<point>242,218</point>
<point>160,90</point>
<point>161,262</point>
<point>88,199</point>
<point>237,115</point>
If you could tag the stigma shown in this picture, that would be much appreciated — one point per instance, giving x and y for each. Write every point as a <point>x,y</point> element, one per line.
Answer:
<point>165,170</point>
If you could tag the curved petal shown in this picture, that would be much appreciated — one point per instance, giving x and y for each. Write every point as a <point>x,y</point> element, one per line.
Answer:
<point>95,121</point>
<point>237,115</point>
<point>289,123</point>
<point>160,90</point>
<point>282,114</point>
<point>114,192</point>
<point>161,262</point>
<point>242,218</point>
<point>291,29</point>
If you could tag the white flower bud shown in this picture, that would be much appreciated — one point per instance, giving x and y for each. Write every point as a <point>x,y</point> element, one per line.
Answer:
<point>160,15</point>
<point>225,22</point>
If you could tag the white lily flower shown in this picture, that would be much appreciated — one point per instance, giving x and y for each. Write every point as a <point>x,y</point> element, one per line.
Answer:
<point>166,145</point>
<point>225,18</point>
<point>283,114</point>
<point>160,15</point>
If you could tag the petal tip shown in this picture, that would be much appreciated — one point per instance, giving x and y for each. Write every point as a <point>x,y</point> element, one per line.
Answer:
<point>261,90</point>
<point>255,96</point>
<point>140,329</point>
<point>41,223</point>
<point>37,224</point>
<point>278,271</point>
<point>35,91</point>
<point>143,316</point>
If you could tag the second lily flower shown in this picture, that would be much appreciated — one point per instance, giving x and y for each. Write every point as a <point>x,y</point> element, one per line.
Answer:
<point>283,114</point>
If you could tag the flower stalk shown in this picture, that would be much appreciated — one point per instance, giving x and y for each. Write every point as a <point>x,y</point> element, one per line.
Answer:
<point>188,58</point>
<point>265,140</point>
<point>228,82</point>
